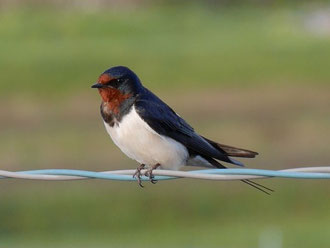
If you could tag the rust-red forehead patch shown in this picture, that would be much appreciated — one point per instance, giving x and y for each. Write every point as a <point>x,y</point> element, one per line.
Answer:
<point>104,78</point>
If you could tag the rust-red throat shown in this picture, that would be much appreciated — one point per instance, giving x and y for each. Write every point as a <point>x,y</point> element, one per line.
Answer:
<point>110,96</point>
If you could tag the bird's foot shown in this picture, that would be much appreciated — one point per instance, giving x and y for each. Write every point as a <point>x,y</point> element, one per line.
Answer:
<point>138,175</point>
<point>150,175</point>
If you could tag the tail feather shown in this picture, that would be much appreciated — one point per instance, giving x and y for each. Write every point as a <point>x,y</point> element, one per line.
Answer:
<point>258,186</point>
<point>236,162</point>
<point>236,152</point>
<point>233,151</point>
<point>253,184</point>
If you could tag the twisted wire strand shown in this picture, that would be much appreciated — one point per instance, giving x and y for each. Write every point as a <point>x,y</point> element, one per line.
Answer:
<point>208,174</point>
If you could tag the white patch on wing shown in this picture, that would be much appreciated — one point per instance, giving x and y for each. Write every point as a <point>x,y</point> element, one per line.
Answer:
<point>140,142</point>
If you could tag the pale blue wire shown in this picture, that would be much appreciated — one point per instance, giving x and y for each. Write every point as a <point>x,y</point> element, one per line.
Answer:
<point>268,173</point>
<point>90,174</point>
<point>109,176</point>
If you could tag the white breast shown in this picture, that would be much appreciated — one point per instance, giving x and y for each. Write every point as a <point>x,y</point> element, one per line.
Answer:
<point>140,142</point>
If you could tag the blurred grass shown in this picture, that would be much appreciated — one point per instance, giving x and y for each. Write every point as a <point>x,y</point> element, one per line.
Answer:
<point>51,51</point>
<point>177,214</point>
<point>253,77</point>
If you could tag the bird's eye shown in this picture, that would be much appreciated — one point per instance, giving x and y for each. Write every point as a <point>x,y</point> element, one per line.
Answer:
<point>116,82</point>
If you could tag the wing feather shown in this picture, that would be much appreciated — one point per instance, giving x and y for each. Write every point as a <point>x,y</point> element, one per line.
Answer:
<point>165,121</point>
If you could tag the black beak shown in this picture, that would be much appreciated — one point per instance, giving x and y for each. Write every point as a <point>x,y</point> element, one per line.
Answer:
<point>98,86</point>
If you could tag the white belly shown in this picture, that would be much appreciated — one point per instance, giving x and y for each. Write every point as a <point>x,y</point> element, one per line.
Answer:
<point>140,142</point>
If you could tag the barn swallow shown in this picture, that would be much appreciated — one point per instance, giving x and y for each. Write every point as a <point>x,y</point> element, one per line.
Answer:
<point>147,130</point>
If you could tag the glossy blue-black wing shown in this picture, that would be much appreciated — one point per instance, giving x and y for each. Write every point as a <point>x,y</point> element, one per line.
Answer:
<point>165,121</point>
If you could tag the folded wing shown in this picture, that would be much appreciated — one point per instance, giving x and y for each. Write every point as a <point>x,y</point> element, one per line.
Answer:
<point>165,121</point>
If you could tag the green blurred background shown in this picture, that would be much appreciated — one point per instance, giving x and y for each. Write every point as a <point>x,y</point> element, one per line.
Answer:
<point>252,74</point>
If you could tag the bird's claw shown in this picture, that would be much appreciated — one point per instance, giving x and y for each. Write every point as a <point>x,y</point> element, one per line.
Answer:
<point>137,175</point>
<point>150,175</point>
<point>153,181</point>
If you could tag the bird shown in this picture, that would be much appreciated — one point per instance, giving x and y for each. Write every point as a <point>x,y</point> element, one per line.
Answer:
<point>147,130</point>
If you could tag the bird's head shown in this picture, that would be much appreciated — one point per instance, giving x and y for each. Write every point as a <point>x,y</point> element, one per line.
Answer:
<point>118,81</point>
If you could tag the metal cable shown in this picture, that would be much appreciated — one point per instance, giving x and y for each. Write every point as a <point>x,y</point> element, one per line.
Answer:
<point>209,174</point>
